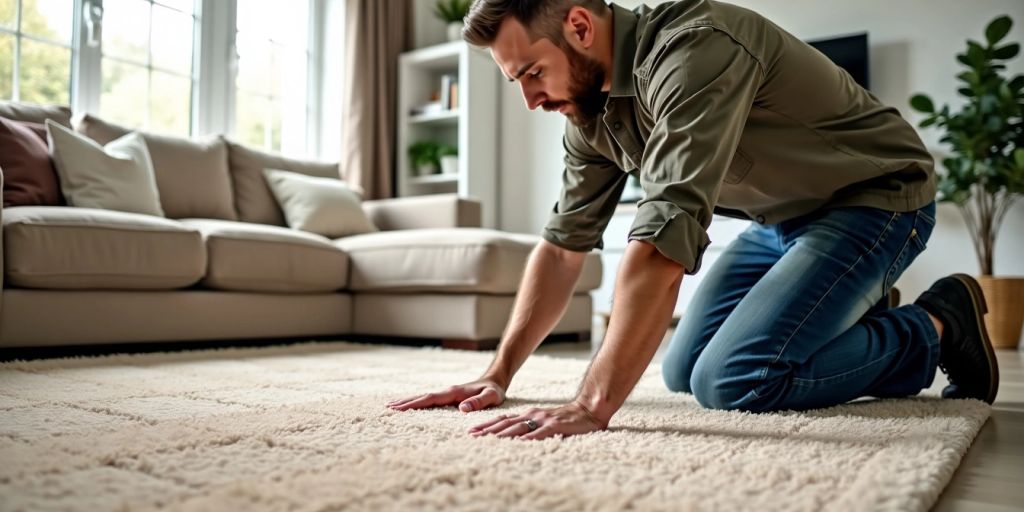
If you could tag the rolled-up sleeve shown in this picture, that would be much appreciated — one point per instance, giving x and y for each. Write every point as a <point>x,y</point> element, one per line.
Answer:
<point>699,88</point>
<point>591,187</point>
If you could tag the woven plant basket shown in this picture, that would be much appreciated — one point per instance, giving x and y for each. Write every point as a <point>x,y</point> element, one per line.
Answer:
<point>1005,298</point>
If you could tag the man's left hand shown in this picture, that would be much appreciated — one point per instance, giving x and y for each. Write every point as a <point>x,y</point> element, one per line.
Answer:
<point>567,420</point>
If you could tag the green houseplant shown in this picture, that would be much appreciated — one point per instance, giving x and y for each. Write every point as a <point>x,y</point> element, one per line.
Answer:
<point>423,156</point>
<point>984,175</point>
<point>452,12</point>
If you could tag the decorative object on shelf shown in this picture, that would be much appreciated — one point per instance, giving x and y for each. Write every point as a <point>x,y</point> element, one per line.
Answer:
<point>985,174</point>
<point>452,12</point>
<point>432,107</point>
<point>429,157</point>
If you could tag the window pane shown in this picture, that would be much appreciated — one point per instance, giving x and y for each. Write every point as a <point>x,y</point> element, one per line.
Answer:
<point>256,16</point>
<point>170,103</point>
<point>123,98</point>
<point>251,118</point>
<point>6,66</point>
<point>44,73</point>
<point>184,6</point>
<point>49,19</point>
<point>271,100</point>
<point>257,70</point>
<point>289,25</point>
<point>8,11</point>
<point>126,29</point>
<point>275,126</point>
<point>172,40</point>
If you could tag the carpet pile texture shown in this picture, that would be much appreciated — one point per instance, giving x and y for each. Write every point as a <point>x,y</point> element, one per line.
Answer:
<point>304,427</point>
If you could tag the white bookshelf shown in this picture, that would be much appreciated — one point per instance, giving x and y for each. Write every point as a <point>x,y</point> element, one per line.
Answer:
<point>471,127</point>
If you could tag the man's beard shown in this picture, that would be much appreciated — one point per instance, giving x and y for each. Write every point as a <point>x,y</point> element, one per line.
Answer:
<point>586,78</point>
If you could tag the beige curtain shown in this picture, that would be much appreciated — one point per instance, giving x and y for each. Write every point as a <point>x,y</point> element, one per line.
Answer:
<point>376,32</point>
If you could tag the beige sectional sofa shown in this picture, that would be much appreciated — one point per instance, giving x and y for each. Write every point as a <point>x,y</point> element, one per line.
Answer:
<point>223,265</point>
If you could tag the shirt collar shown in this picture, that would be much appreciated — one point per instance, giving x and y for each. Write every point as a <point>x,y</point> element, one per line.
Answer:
<point>623,51</point>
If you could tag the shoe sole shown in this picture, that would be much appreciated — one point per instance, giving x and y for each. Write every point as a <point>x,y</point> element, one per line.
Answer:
<point>980,309</point>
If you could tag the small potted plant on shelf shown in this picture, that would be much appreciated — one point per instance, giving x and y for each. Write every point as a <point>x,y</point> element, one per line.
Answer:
<point>449,159</point>
<point>985,173</point>
<point>424,157</point>
<point>452,12</point>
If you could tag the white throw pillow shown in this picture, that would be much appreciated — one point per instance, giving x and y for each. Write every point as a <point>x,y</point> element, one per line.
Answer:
<point>324,206</point>
<point>118,176</point>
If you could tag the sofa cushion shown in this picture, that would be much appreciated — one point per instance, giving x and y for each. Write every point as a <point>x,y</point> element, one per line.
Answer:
<point>86,248</point>
<point>29,176</point>
<point>34,113</point>
<point>475,260</point>
<point>255,257</point>
<point>192,176</point>
<point>254,201</point>
<point>118,176</point>
<point>324,206</point>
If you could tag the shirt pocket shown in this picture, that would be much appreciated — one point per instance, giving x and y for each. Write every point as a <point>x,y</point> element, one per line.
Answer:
<point>738,167</point>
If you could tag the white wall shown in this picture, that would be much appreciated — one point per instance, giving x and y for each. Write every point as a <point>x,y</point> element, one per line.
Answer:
<point>913,44</point>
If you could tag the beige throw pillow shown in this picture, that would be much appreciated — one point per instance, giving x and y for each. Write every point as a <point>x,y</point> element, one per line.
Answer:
<point>118,176</point>
<point>324,206</point>
<point>191,174</point>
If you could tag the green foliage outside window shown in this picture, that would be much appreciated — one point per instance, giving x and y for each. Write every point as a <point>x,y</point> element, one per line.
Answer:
<point>45,74</point>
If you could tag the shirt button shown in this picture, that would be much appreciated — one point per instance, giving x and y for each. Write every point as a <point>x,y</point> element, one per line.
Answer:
<point>617,125</point>
<point>760,219</point>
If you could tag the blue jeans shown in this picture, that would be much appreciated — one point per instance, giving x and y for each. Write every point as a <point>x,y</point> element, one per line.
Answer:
<point>795,316</point>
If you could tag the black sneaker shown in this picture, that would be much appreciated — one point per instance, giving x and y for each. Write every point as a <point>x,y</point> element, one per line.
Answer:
<point>966,354</point>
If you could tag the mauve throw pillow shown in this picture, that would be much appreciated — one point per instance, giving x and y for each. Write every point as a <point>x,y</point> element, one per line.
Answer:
<point>29,176</point>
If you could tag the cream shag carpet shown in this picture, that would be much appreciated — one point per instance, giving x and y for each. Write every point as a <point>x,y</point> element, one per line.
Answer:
<point>304,427</point>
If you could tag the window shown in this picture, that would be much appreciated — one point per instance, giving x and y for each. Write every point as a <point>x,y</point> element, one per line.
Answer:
<point>147,67</point>
<point>271,98</point>
<point>169,66</point>
<point>35,50</point>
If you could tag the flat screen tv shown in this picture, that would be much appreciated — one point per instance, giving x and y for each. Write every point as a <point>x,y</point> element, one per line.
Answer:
<point>848,52</point>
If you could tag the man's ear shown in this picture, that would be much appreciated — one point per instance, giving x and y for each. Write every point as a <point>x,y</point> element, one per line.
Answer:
<point>579,27</point>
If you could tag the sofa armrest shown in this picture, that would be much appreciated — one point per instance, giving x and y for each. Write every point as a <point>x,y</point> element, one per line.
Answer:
<point>426,211</point>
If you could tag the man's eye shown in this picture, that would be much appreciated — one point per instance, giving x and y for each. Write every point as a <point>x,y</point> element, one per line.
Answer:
<point>535,75</point>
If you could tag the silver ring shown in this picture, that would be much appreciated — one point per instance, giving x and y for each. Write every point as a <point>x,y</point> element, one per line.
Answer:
<point>532,425</point>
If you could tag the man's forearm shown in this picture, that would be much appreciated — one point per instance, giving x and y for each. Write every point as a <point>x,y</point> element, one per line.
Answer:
<point>646,290</point>
<point>544,293</point>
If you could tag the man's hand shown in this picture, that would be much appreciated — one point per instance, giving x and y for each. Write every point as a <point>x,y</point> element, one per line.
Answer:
<point>472,396</point>
<point>567,420</point>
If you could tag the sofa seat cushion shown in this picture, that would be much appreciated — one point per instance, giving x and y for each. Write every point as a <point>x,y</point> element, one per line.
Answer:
<point>255,257</point>
<point>85,248</point>
<point>476,260</point>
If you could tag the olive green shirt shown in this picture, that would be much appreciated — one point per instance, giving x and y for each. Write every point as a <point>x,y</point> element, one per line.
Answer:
<point>719,110</point>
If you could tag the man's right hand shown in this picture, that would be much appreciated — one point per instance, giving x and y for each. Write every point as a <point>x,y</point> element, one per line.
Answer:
<point>473,396</point>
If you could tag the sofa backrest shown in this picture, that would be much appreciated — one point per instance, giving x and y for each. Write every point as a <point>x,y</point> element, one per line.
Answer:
<point>33,113</point>
<point>191,175</point>
<point>254,201</point>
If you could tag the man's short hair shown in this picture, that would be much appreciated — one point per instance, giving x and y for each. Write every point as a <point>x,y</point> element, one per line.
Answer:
<point>542,18</point>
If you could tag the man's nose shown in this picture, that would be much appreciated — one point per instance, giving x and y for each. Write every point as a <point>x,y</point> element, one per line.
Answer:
<point>533,97</point>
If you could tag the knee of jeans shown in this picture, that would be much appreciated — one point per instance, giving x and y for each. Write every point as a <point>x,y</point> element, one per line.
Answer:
<point>677,377</point>
<point>713,390</point>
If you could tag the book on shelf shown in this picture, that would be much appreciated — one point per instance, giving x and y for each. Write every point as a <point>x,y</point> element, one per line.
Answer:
<point>449,91</point>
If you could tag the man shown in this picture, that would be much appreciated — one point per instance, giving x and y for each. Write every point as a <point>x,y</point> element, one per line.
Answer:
<point>718,110</point>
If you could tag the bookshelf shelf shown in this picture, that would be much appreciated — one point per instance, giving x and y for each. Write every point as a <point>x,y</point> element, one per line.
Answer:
<point>465,79</point>
<point>435,178</point>
<point>443,117</point>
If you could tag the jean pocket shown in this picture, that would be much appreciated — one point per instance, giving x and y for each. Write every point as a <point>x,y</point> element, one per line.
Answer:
<point>913,246</point>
